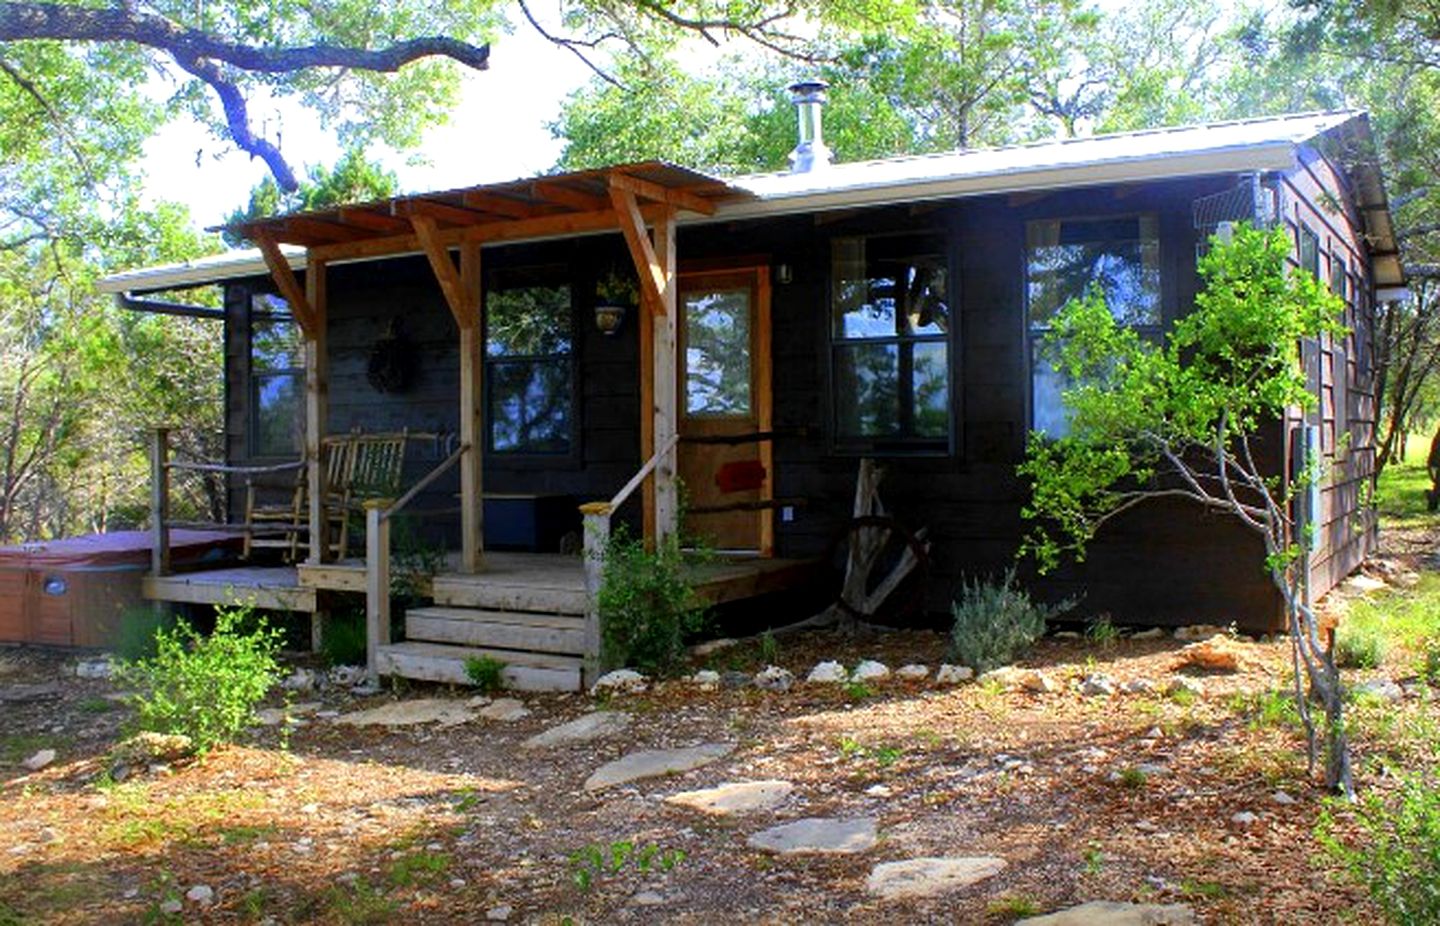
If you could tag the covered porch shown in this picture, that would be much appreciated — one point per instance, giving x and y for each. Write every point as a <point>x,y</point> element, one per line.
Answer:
<point>539,608</point>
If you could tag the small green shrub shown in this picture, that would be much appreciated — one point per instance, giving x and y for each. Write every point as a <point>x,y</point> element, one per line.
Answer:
<point>647,608</point>
<point>994,621</point>
<point>1359,646</point>
<point>1102,632</point>
<point>1397,854</point>
<point>1428,665</point>
<point>769,648</point>
<point>135,637</point>
<point>343,643</point>
<point>486,673</point>
<point>202,687</point>
<point>600,860</point>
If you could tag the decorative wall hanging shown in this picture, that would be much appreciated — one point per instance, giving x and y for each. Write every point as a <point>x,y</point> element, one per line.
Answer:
<point>392,366</point>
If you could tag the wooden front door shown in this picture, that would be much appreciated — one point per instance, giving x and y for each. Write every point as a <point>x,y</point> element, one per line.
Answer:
<point>724,384</point>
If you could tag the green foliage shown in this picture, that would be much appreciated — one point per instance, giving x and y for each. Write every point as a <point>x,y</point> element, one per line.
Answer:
<point>769,648</point>
<point>344,640</point>
<point>603,860</point>
<point>1136,410</point>
<point>1358,646</point>
<point>354,179</point>
<point>647,607</point>
<point>1133,778</point>
<point>1013,908</point>
<point>1404,618</point>
<point>1102,632</point>
<point>485,673</point>
<point>1428,664</point>
<point>1397,853</point>
<point>205,688</point>
<point>1264,709</point>
<point>994,621</point>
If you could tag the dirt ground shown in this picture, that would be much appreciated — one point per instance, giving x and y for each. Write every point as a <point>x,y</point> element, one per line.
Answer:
<point>1125,797</point>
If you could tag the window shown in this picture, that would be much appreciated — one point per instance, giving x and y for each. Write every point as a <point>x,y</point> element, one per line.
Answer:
<point>890,333</point>
<point>716,331</point>
<point>1064,258</point>
<point>277,377</point>
<point>529,376</point>
<point>1308,250</point>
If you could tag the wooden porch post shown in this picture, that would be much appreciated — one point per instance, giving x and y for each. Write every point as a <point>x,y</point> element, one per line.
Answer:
<point>665,387</point>
<point>160,502</point>
<point>317,406</point>
<point>472,347</point>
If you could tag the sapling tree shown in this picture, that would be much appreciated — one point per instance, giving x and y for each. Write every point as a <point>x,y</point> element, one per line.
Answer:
<point>1197,418</point>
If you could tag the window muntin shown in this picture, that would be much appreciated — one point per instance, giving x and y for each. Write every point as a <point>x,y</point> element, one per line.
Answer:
<point>277,375</point>
<point>1065,258</point>
<point>890,331</point>
<point>529,374</point>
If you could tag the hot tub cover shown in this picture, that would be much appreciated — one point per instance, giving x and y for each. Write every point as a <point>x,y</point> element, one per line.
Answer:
<point>117,550</point>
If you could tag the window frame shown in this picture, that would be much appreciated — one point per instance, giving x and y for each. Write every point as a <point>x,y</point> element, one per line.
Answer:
<point>544,275</point>
<point>1031,335</point>
<point>904,445</point>
<point>271,314</point>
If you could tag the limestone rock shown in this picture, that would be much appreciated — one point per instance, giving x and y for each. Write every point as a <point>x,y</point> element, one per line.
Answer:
<point>1220,653</point>
<point>1181,684</point>
<point>954,675</point>
<point>345,676</point>
<point>171,906</point>
<point>870,671</point>
<point>1382,689</point>
<point>914,672</point>
<point>647,763</point>
<point>926,877</point>
<point>202,894</point>
<point>1097,685</point>
<point>1153,633</point>
<point>303,680</point>
<point>39,760</point>
<point>1112,913</point>
<point>500,913</point>
<point>621,681</point>
<point>1197,632</point>
<point>27,694</point>
<point>706,680</point>
<point>147,747</point>
<point>581,730</point>
<point>411,713</point>
<point>1245,818</point>
<point>817,835</point>
<point>1016,679</point>
<point>774,678</point>
<point>711,647</point>
<point>734,797</point>
<point>1139,686</point>
<point>505,710</point>
<point>95,668</point>
<point>830,672</point>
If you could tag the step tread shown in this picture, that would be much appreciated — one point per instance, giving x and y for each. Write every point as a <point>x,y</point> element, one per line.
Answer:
<point>492,616</point>
<point>439,663</point>
<point>456,653</point>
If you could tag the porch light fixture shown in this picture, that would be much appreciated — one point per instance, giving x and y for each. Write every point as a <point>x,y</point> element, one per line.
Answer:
<point>609,318</point>
<point>783,273</point>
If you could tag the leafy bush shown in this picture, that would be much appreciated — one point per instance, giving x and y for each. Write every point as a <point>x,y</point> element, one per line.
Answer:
<point>1359,646</point>
<point>135,638</point>
<point>1397,856</point>
<point>343,643</point>
<point>205,688</point>
<point>647,608</point>
<point>994,621</point>
<point>485,673</point>
<point>1428,665</point>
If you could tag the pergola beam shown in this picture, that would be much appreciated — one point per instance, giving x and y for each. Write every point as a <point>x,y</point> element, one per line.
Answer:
<point>289,286</point>
<point>670,196</point>
<point>642,251</point>
<point>451,285</point>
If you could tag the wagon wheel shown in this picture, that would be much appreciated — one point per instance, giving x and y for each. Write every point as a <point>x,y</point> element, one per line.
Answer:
<point>884,567</point>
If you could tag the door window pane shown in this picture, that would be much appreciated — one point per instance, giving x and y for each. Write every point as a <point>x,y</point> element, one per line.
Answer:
<point>717,353</point>
<point>530,406</point>
<point>529,336</point>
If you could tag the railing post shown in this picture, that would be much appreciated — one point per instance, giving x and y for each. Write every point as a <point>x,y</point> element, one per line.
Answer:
<point>160,502</point>
<point>377,583</point>
<point>597,540</point>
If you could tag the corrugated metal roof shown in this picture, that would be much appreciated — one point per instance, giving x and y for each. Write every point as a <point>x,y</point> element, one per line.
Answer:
<point>213,269</point>
<point>1212,148</point>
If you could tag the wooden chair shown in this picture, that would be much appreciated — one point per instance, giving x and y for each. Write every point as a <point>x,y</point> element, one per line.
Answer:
<point>285,524</point>
<point>375,467</point>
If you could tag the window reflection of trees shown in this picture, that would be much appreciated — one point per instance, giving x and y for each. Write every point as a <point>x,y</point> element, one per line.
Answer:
<point>277,369</point>
<point>890,332</point>
<point>1065,258</point>
<point>528,344</point>
<point>717,353</point>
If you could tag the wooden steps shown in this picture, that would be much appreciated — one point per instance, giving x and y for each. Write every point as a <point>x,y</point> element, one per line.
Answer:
<point>437,662</point>
<point>488,593</point>
<point>509,630</point>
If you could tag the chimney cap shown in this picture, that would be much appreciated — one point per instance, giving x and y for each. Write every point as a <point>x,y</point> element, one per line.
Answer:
<point>808,87</point>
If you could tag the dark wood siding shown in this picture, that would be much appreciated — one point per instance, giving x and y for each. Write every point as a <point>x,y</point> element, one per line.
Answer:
<point>1162,563</point>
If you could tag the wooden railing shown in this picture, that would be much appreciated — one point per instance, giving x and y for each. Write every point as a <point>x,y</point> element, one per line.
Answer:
<point>378,513</point>
<point>596,525</point>
<point>160,521</point>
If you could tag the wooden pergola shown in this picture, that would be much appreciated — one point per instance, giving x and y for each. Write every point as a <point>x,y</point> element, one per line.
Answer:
<point>640,201</point>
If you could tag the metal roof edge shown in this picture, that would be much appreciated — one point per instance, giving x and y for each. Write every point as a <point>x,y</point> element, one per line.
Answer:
<point>215,268</point>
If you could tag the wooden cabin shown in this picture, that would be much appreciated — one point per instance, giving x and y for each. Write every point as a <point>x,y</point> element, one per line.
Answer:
<point>787,326</point>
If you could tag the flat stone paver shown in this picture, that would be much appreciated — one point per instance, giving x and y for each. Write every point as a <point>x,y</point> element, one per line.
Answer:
<point>409,713</point>
<point>592,726</point>
<point>1113,913</point>
<point>827,835</point>
<point>926,877</point>
<point>647,763</point>
<point>734,797</point>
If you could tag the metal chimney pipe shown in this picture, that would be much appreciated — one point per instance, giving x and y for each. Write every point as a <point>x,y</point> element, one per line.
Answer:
<point>811,153</point>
